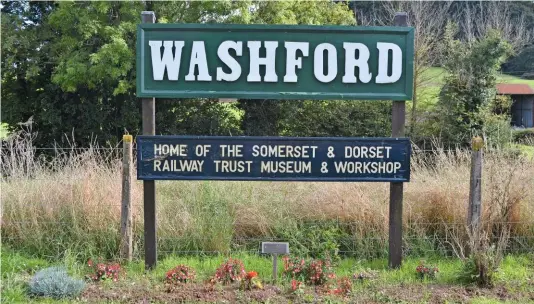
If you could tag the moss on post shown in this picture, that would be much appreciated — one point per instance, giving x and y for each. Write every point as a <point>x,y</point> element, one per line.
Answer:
<point>477,143</point>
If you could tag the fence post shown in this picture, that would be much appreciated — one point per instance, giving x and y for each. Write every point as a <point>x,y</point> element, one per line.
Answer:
<point>475,186</point>
<point>149,186</point>
<point>126,206</point>
<point>396,189</point>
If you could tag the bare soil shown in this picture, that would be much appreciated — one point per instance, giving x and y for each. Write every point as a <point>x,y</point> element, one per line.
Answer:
<point>203,293</point>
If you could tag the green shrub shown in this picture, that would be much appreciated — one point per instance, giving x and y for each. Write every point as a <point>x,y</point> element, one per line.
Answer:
<point>523,135</point>
<point>496,129</point>
<point>467,100</point>
<point>317,239</point>
<point>55,283</point>
<point>480,267</point>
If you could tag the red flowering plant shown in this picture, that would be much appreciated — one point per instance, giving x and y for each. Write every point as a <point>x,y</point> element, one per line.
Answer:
<point>103,271</point>
<point>251,281</point>
<point>313,272</point>
<point>297,286</point>
<point>319,272</point>
<point>294,267</point>
<point>423,271</point>
<point>229,272</point>
<point>180,274</point>
<point>344,286</point>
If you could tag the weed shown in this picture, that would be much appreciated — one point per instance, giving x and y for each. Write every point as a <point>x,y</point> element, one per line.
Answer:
<point>480,268</point>
<point>319,239</point>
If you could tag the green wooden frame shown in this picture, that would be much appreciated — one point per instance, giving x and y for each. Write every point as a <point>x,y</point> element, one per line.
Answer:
<point>372,91</point>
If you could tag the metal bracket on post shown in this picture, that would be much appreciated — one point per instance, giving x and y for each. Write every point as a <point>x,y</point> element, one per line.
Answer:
<point>149,187</point>
<point>396,189</point>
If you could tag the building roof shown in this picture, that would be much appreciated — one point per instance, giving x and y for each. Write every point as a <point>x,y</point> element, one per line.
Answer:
<point>514,89</point>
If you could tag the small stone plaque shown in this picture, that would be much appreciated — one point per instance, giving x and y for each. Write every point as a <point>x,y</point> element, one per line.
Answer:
<point>275,247</point>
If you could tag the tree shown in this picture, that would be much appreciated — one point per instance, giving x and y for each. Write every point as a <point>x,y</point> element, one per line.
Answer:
<point>338,118</point>
<point>64,89</point>
<point>317,118</point>
<point>310,117</point>
<point>469,85</point>
<point>428,18</point>
<point>26,67</point>
<point>513,20</point>
<point>73,71</point>
<point>522,64</point>
<point>73,68</point>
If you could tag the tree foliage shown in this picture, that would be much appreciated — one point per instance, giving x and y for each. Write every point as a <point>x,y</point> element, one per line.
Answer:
<point>70,66</point>
<point>301,118</point>
<point>469,89</point>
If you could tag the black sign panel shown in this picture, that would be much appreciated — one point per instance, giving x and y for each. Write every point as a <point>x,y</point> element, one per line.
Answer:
<point>273,158</point>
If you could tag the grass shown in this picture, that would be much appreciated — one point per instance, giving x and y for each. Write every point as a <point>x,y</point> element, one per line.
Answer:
<point>527,150</point>
<point>504,78</point>
<point>73,206</point>
<point>3,130</point>
<point>68,210</point>
<point>436,77</point>
<point>515,272</point>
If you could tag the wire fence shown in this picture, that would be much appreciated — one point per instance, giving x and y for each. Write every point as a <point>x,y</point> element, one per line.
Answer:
<point>347,237</point>
<point>344,238</point>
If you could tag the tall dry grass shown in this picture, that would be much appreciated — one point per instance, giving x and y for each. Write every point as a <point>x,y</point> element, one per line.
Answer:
<point>71,202</point>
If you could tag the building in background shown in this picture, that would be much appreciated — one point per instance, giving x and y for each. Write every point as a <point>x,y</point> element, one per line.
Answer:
<point>523,103</point>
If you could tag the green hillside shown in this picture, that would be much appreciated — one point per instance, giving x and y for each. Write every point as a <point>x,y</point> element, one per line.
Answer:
<point>433,79</point>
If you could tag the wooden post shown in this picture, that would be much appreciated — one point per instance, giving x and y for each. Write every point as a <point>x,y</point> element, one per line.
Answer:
<point>396,189</point>
<point>126,206</point>
<point>149,187</point>
<point>475,187</point>
<point>275,268</point>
